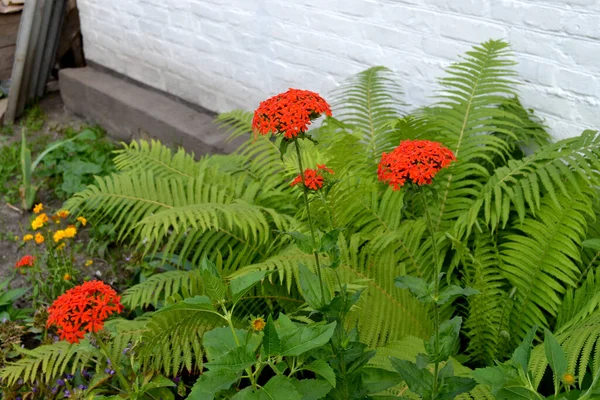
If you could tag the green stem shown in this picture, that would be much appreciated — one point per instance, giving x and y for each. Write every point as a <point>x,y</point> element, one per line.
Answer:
<point>120,375</point>
<point>436,291</point>
<point>310,222</point>
<point>228,316</point>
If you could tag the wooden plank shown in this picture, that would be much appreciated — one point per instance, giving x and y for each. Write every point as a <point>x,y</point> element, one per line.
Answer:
<point>7,57</point>
<point>8,32</point>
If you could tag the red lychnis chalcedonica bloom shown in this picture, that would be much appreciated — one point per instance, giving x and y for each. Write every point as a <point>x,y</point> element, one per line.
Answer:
<point>289,113</point>
<point>312,178</point>
<point>416,161</point>
<point>83,309</point>
<point>25,261</point>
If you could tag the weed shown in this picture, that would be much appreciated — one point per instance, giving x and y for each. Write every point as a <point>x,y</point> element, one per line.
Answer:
<point>35,118</point>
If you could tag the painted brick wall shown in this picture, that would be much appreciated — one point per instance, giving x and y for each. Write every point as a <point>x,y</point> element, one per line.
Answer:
<point>225,54</point>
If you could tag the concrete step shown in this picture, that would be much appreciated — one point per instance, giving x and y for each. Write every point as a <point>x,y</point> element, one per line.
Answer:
<point>129,111</point>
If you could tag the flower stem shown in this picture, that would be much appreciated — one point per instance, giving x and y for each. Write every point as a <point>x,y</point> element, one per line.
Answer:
<point>310,222</point>
<point>436,291</point>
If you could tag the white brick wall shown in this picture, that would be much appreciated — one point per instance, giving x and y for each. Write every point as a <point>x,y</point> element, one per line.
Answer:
<point>225,54</point>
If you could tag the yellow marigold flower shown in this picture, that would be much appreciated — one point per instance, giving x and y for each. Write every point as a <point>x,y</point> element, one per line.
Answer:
<point>63,214</point>
<point>70,232</point>
<point>27,237</point>
<point>82,220</point>
<point>89,262</point>
<point>39,221</point>
<point>38,208</point>
<point>568,379</point>
<point>39,238</point>
<point>67,277</point>
<point>258,324</point>
<point>61,246</point>
<point>58,235</point>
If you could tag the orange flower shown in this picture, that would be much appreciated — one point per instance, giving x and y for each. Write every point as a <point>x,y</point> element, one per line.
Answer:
<point>312,178</point>
<point>61,246</point>
<point>25,261</point>
<point>417,161</point>
<point>39,221</point>
<point>27,237</point>
<point>83,309</point>
<point>38,208</point>
<point>67,277</point>
<point>89,262</point>
<point>258,324</point>
<point>39,238</point>
<point>82,220</point>
<point>289,113</point>
<point>568,379</point>
<point>63,214</point>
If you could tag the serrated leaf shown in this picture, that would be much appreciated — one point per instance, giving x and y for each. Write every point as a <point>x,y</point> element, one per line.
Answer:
<point>296,340</point>
<point>304,242</point>
<point>419,381</point>
<point>271,342</point>
<point>312,389</point>
<point>522,353</point>
<point>241,285</point>
<point>220,341</point>
<point>212,382</point>
<point>451,292</point>
<point>422,290</point>
<point>311,288</point>
<point>234,360</point>
<point>556,357</point>
<point>448,340</point>
<point>321,368</point>
<point>278,387</point>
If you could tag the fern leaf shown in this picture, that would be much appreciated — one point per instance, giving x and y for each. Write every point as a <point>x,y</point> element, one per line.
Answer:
<point>156,157</point>
<point>158,288</point>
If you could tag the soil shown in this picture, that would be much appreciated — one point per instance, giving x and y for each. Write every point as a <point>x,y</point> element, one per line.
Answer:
<point>15,223</point>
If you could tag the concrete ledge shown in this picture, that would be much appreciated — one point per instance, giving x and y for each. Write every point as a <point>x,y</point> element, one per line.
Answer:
<point>128,112</point>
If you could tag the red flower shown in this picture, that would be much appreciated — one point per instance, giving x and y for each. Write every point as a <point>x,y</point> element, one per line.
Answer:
<point>289,113</point>
<point>83,309</point>
<point>312,179</point>
<point>415,160</point>
<point>25,261</point>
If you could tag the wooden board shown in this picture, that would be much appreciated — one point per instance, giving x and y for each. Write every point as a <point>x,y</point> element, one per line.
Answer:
<point>9,28</point>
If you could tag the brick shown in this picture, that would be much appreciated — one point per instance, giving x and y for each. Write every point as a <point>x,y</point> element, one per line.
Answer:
<point>580,24</point>
<point>537,72</point>
<point>577,82</point>
<point>469,30</point>
<point>583,53</point>
<point>469,7</point>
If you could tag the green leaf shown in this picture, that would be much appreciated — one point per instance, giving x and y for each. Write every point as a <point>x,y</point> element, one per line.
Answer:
<point>235,360</point>
<point>312,389</point>
<point>556,357</point>
<point>453,291</point>
<point>271,342</point>
<point>283,147</point>
<point>304,242</point>
<point>522,353</point>
<point>515,393</point>
<point>454,385</point>
<point>422,290</point>
<point>240,286</point>
<point>10,296</point>
<point>278,387</point>
<point>212,382</point>
<point>220,341</point>
<point>593,244</point>
<point>419,381</point>
<point>449,331</point>
<point>329,240</point>
<point>376,380</point>
<point>158,382</point>
<point>311,288</point>
<point>296,340</point>
<point>321,368</point>
<point>214,287</point>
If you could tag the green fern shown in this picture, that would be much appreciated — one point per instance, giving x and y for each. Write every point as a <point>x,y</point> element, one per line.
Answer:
<point>49,361</point>
<point>158,288</point>
<point>540,259</point>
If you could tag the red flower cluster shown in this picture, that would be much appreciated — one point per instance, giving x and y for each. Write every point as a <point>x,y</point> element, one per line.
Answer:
<point>83,309</point>
<point>289,113</point>
<point>312,179</point>
<point>25,261</point>
<point>415,160</point>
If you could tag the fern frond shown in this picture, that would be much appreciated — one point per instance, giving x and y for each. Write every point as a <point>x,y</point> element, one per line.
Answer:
<point>49,361</point>
<point>541,260</point>
<point>567,168</point>
<point>173,338</point>
<point>468,114</point>
<point>237,122</point>
<point>368,102</point>
<point>158,288</point>
<point>581,342</point>
<point>156,157</point>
